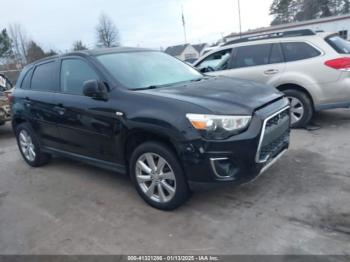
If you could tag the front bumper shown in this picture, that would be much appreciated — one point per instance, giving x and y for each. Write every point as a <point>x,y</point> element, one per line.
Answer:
<point>241,158</point>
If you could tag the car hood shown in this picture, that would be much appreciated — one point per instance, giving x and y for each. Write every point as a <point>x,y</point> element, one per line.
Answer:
<point>221,95</point>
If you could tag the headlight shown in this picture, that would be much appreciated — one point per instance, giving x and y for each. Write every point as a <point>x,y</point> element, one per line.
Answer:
<point>217,126</point>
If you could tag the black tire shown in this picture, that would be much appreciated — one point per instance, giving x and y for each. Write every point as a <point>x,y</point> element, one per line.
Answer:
<point>182,191</point>
<point>41,158</point>
<point>2,117</point>
<point>306,104</point>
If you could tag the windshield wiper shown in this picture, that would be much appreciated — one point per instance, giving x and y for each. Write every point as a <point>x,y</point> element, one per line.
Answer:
<point>146,88</point>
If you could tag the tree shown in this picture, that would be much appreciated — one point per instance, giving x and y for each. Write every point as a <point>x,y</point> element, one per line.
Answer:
<point>78,45</point>
<point>107,33</point>
<point>345,9</point>
<point>19,43</point>
<point>34,52</point>
<point>281,9</point>
<point>5,44</point>
<point>286,11</point>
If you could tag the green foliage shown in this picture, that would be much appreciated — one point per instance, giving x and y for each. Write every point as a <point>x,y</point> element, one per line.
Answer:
<point>287,11</point>
<point>5,43</point>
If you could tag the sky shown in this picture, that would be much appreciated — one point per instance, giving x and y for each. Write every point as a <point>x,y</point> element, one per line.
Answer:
<point>145,23</point>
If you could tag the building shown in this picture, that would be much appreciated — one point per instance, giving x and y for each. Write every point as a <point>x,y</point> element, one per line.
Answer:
<point>200,48</point>
<point>339,24</point>
<point>186,52</point>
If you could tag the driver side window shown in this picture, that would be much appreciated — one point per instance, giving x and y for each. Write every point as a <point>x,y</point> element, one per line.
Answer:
<point>216,62</point>
<point>74,72</point>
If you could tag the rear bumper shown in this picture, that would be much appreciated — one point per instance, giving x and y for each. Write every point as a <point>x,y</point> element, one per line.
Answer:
<point>241,158</point>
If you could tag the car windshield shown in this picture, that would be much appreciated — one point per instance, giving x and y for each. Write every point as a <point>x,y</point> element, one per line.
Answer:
<point>339,44</point>
<point>147,69</point>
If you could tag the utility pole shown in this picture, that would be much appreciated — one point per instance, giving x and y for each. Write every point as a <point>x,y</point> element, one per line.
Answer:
<point>184,24</point>
<point>239,17</point>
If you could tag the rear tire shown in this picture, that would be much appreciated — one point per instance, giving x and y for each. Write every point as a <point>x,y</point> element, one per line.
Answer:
<point>30,147</point>
<point>301,108</point>
<point>2,117</point>
<point>158,176</point>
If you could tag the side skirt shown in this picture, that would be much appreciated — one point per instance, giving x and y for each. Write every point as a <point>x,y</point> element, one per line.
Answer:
<point>121,169</point>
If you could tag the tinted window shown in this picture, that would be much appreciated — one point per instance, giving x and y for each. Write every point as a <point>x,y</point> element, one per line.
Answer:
<point>253,55</point>
<point>276,55</point>
<point>339,44</point>
<point>217,61</point>
<point>74,73</point>
<point>26,80</point>
<point>299,51</point>
<point>45,77</point>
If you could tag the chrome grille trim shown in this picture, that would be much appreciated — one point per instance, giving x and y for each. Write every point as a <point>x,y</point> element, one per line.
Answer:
<point>257,157</point>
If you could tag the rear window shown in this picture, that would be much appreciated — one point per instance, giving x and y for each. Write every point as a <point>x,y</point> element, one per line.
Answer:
<point>45,77</point>
<point>295,51</point>
<point>339,44</point>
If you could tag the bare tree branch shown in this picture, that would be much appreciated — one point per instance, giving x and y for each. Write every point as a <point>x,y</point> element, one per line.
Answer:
<point>19,43</point>
<point>107,33</point>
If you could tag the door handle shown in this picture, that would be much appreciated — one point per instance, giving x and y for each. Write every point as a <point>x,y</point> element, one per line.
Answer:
<point>271,72</point>
<point>27,102</point>
<point>60,109</point>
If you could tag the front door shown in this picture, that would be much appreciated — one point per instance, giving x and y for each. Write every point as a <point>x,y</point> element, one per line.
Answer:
<point>86,125</point>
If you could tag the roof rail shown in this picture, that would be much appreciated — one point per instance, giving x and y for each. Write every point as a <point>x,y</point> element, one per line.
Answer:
<point>303,32</point>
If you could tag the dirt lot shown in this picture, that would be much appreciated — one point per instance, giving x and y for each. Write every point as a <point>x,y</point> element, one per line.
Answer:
<point>301,206</point>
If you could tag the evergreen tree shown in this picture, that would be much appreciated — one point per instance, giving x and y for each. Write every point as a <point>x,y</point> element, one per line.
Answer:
<point>34,52</point>
<point>78,45</point>
<point>5,43</point>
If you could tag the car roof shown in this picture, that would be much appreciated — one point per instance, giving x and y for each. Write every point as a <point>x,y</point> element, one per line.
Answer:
<point>258,41</point>
<point>94,52</point>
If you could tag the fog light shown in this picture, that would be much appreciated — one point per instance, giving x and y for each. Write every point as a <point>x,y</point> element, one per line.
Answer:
<point>223,167</point>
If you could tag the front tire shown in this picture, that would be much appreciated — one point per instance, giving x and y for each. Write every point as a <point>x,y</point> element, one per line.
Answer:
<point>29,146</point>
<point>158,176</point>
<point>300,107</point>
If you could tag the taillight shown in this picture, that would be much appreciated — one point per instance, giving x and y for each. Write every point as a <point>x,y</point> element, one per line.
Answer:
<point>339,63</point>
<point>9,97</point>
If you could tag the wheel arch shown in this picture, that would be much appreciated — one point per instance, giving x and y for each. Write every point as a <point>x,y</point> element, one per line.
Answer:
<point>298,88</point>
<point>139,136</point>
<point>16,121</point>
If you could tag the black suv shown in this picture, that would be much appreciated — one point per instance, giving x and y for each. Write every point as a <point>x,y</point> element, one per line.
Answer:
<point>149,115</point>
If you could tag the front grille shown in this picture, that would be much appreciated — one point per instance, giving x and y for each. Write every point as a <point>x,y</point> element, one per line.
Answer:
<point>274,148</point>
<point>275,136</point>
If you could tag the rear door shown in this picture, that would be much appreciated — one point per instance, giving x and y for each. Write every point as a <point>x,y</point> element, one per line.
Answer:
<point>38,86</point>
<point>262,63</point>
<point>86,125</point>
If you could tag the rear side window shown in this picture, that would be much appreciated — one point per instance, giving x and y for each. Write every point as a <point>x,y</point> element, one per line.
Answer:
<point>26,80</point>
<point>339,44</point>
<point>254,55</point>
<point>45,77</point>
<point>299,51</point>
<point>74,72</point>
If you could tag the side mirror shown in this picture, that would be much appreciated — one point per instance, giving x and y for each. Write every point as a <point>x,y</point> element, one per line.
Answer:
<point>95,89</point>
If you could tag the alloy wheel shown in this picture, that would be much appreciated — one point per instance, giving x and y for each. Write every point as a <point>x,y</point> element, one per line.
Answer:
<point>296,109</point>
<point>155,177</point>
<point>27,146</point>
